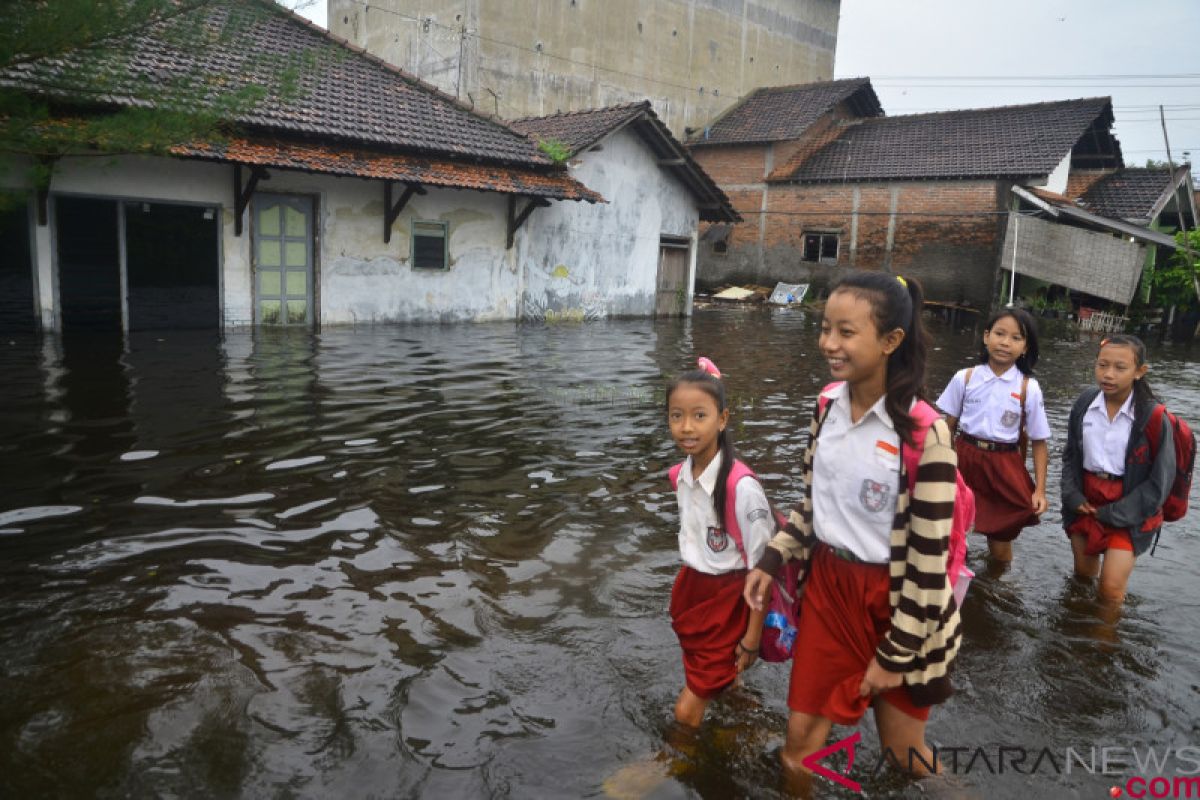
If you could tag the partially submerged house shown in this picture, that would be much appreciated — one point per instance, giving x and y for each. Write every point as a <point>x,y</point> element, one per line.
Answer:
<point>365,196</point>
<point>1098,245</point>
<point>826,181</point>
<point>635,255</point>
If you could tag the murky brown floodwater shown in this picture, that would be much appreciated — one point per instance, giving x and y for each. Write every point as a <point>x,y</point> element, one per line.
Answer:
<point>436,561</point>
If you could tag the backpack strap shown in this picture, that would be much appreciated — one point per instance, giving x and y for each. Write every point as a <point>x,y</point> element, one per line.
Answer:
<point>738,471</point>
<point>924,415</point>
<point>1023,436</point>
<point>673,475</point>
<point>1153,429</point>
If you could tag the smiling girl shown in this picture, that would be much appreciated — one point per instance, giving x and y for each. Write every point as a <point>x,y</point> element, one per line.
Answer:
<point>994,406</point>
<point>1113,486</point>
<point>878,624</point>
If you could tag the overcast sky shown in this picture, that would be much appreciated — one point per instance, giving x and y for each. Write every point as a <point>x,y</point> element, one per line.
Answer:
<point>919,54</point>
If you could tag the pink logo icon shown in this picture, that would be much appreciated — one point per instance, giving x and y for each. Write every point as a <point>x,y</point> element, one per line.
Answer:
<point>811,762</point>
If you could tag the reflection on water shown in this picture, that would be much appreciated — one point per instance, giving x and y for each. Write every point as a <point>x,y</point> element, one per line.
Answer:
<point>436,560</point>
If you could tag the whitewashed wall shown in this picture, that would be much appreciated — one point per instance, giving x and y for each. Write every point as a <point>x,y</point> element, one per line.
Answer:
<point>580,260</point>
<point>360,279</point>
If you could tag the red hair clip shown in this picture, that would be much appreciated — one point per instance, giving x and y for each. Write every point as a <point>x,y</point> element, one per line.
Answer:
<point>708,366</point>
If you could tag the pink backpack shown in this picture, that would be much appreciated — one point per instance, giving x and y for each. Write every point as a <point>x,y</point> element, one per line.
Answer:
<point>924,415</point>
<point>779,627</point>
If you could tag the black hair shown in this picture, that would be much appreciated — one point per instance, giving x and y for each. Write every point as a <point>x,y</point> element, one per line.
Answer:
<point>895,303</point>
<point>715,388</point>
<point>1142,393</point>
<point>1028,360</point>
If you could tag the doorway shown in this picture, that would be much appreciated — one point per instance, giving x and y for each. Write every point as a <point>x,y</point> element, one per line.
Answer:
<point>283,260</point>
<point>671,293</point>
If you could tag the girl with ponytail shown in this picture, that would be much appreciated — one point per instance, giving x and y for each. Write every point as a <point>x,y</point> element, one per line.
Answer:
<point>725,522</point>
<point>879,626</point>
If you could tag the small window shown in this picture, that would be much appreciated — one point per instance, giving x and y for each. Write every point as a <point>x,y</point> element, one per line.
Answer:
<point>822,247</point>
<point>721,247</point>
<point>429,245</point>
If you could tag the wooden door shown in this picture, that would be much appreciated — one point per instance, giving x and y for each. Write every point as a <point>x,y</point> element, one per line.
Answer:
<point>672,292</point>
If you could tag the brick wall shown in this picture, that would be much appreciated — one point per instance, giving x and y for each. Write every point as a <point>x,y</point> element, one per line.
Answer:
<point>1080,180</point>
<point>733,165</point>
<point>946,233</point>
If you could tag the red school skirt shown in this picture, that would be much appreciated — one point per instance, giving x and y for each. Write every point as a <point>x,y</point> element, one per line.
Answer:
<point>709,617</point>
<point>1100,537</point>
<point>1003,490</point>
<point>843,616</point>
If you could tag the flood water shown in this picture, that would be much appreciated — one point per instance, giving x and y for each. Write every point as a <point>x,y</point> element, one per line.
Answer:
<point>436,561</point>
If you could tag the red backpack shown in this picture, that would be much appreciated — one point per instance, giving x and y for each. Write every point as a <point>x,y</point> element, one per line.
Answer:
<point>779,627</point>
<point>924,415</point>
<point>1176,504</point>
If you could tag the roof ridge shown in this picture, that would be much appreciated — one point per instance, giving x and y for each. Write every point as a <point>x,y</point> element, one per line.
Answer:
<point>402,74</point>
<point>791,87</point>
<point>581,112</point>
<point>949,111</point>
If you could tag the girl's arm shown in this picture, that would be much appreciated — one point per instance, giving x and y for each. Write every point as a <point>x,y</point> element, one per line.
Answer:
<point>1148,496</point>
<point>1041,462</point>
<point>925,591</point>
<point>747,653</point>
<point>950,403</point>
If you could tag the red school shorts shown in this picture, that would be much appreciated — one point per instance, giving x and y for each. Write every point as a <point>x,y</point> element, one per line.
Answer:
<point>843,617</point>
<point>709,617</point>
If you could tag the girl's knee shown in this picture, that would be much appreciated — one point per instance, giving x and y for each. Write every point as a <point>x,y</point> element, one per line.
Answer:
<point>1111,591</point>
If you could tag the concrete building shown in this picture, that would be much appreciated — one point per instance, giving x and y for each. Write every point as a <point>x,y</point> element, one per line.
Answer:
<point>825,181</point>
<point>691,58</point>
<point>368,197</point>
<point>636,254</point>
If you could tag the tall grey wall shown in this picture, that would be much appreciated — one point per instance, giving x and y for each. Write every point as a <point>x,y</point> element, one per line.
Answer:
<point>518,58</point>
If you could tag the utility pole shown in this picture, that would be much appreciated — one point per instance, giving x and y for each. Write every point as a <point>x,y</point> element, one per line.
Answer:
<point>1187,248</point>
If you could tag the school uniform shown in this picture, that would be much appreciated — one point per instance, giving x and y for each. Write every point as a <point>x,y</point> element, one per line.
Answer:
<point>873,562</point>
<point>989,417</point>
<point>708,613</point>
<point>1108,463</point>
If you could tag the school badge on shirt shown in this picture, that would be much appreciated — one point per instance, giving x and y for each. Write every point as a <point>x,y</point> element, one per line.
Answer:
<point>873,495</point>
<point>1010,418</point>
<point>718,540</point>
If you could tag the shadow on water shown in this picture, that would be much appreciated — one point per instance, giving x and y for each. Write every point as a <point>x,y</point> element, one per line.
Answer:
<point>436,561</point>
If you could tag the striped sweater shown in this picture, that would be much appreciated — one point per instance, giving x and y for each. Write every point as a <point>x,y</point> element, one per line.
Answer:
<point>926,631</point>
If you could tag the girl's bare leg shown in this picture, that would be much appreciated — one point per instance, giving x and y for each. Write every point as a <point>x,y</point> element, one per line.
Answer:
<point>1114,575</point>
<point>904,737</point>
<point>806,734</point>
<point>689,708</point>
<point>1000,551</point>
<point>1085,566</point>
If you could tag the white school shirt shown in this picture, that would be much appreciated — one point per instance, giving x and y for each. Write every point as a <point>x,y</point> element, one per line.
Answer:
<point>703,546</point>
<point>991,408</point>
<point>1105,441</point>
<point>856,473</point>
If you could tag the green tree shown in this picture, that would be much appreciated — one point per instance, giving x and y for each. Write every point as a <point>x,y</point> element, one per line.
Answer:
<point>72,81</point>
<point>1175,283</point>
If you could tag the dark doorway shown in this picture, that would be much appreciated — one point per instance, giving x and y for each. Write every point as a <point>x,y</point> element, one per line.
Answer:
<point>89,272</point>
<point>172,264</point>
<point>16,270</point>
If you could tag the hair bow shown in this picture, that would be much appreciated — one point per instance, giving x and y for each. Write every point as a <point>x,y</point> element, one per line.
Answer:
<point>708,366</point>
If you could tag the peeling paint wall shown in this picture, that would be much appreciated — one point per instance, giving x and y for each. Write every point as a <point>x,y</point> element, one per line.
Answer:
<point>692,58</point>
<point>588,261</point>
<point>360,279</point>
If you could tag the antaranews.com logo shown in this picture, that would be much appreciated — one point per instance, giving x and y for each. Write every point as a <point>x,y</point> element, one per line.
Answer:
<point>1140,772</point>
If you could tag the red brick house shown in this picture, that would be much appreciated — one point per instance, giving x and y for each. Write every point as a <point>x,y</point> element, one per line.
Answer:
<point>923,194</point>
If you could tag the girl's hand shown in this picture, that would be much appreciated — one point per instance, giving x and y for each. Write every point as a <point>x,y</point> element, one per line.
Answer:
<point>879,680</point>
<point>1086,508</point>
<point>758,588</point>
<point>1039,502</point>
<point>746,656</point>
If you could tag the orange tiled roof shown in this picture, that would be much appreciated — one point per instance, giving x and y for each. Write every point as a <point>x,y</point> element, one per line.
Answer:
<point>352,162</point>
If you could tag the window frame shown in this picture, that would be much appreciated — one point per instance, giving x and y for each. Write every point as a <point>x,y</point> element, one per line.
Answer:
<point>412,243</point>
<point>822,237</point>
